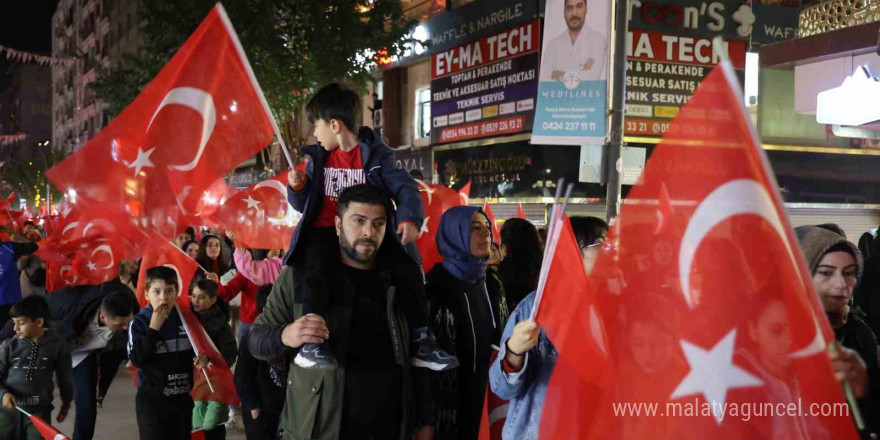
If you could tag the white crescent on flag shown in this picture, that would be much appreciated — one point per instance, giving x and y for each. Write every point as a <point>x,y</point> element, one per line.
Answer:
<point>289,218</point>
<point>203,103</point>
<point>108,250</point>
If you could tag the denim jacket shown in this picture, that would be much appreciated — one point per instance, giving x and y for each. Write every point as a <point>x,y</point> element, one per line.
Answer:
<point>524,389</point>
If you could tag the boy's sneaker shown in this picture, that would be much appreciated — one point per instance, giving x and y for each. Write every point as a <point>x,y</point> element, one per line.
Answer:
<point>426,354</point>
<point>315,356</point>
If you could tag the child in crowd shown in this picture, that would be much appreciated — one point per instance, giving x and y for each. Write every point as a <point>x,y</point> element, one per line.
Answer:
<point>27,364</point>
<point>160,349</point>
<point>213,313</point>
<point>343,159</point>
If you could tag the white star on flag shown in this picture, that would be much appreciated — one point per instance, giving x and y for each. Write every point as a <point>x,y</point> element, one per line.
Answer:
<point>424,228</point>
<point>713,374</point>
<point>92,266</point>
<point>142,161</point>
<point>251,202</point>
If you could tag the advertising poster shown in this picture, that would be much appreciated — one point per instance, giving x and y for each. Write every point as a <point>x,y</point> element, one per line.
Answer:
<point>571,108</point>
<point>486,87</point>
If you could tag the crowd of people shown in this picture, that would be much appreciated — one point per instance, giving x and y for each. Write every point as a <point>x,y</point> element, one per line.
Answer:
<point>342,335</point>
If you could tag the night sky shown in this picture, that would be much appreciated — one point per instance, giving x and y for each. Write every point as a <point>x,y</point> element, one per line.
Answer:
<point>27,25</point>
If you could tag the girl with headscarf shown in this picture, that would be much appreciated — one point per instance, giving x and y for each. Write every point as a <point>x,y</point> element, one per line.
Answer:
<point>467,318</point>
<point>835,265</point>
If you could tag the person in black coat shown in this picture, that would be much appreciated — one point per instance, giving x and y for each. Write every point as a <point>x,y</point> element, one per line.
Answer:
<point>467,319</point>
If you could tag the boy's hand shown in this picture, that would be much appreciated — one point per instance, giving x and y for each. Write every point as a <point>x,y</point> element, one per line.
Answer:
<point>408,232</point>
<point>255,413</point>
<point>213,277</point>
<point>308,329</point>
<point>159,316</point>
<point>200,361</point>
<point>525,337</point>
<point>9,401</point>
<point>296,179</point>
<point>62,413</point>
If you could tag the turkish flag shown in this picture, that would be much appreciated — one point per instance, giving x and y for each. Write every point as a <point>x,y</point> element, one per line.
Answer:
<point>567,313</point>
<point>436,199</point>
<point>520,212</point>
<point>200,117</point>
<point>218,371</point>
<point>465,193</point>
<point>161,252</point>
<point>260,215</point>
<point>494,410</point>
<point>717,316</point>
<point>198,434</point>
<point>496,231</point>
<point>46,430</point>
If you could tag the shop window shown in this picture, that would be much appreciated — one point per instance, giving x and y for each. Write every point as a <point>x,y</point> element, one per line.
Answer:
<point>423,112</point>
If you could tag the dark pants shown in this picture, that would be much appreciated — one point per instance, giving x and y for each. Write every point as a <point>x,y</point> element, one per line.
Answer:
<point>372,407</point>
<point>323,243</point>
<point>218,433</point>
<point>265,427</point>
<point>16,426</point>
<point>164,418</point>
<point>86,376</point>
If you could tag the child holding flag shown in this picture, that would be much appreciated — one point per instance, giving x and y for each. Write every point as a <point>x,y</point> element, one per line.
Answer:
<point>159,347</point>
<point>27,364</point>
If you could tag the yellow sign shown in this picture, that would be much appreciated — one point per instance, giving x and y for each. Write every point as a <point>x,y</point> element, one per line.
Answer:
<point>665,112</point>
<point>490,111</point>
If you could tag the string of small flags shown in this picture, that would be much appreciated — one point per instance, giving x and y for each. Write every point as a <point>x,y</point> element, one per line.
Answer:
<point>28,57</point>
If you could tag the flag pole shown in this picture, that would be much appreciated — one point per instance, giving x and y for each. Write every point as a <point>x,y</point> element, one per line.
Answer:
<point>208,379</point>
<point>550,250</point>
<point>23,411</point>
<point>191,342</point>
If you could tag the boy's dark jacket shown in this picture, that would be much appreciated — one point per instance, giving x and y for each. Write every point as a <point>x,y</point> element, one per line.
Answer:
<point>380,167</point>
<point>27,367</point>
<point>215,320</point>
<point>164,358</point>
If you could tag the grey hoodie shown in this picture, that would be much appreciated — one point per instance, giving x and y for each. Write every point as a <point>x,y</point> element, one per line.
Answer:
<point>26,369</point>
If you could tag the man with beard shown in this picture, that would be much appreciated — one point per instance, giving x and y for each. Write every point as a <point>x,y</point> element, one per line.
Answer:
<point>579,53</point>
<point>371,392</point>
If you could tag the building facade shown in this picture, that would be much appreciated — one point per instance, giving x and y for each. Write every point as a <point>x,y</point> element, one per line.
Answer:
<point>97,33</point>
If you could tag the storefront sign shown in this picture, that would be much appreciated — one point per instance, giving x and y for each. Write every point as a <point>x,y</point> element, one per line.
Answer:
<point>415,160</point>
<point>574,72</point>
<point>477,19</point>
<point>515,169</point>
<point>487,87</point>
<point>730,19</point>
<point>663,71</point>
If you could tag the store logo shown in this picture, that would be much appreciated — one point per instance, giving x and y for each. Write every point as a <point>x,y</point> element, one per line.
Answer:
<point>746,18</point>
<point>570,80</point>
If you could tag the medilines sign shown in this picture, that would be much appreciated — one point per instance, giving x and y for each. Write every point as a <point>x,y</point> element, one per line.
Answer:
<point>486,87</point>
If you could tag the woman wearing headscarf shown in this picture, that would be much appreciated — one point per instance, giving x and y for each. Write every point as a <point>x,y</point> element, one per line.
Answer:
<point>835,265</point>
<point>467,318</point>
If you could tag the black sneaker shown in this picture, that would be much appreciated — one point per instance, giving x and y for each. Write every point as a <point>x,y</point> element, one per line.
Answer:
<point>426,354</point>
<point>315,356</point>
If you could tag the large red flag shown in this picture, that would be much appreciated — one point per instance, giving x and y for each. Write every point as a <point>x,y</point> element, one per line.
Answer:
<point>199,118</point>
<point>714,320</point>
<point>465,193</point>
<point>47,430</point>
<point>260,215</point>
<point>567,314</point>
<point>437,199</point>
<point>520,212</point>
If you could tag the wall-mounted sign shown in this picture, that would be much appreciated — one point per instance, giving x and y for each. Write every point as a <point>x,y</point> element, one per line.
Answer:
<point>730,19</point>
<point>662,73</point>
<point>487,87</point>
<point>415,160</point>
<point>574,72</point>
<point>474,20</point>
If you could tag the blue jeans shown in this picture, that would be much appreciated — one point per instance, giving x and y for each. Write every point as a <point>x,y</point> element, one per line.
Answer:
<point>85,389</point>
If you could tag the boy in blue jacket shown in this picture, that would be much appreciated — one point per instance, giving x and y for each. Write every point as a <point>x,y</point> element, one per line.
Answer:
<point>340,160</point>
<point>160,348</point>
